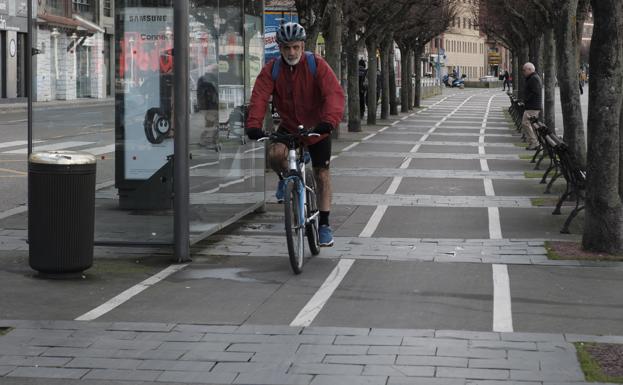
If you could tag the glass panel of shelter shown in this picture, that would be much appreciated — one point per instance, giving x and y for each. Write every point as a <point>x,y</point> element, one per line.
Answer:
<point>226,171</point>
<point>131,131</point>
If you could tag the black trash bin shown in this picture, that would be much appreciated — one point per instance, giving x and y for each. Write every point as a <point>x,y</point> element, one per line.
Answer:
<point>61,211</point>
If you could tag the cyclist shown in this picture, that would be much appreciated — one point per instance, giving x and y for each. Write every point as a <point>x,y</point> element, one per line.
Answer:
<point>301,97</point>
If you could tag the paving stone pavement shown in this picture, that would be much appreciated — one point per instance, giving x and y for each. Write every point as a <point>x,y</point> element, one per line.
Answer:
<point>68,352</point>
<point>505,251</point>
<point>272,354</point>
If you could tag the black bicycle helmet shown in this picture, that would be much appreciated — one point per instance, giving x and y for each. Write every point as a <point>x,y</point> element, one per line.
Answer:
<point>289,32</point>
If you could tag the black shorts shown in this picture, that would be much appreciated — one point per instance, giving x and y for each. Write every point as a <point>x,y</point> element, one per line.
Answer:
<point>320,152</point>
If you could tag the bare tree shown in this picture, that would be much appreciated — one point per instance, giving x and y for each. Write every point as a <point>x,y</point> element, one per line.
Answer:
<point>603,227</point>
<point>311,14</point>
<point>425,20</point>
<point>564,14</point>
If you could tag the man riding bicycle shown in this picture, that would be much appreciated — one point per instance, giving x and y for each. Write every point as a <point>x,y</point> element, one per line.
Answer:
<point>301,97</point>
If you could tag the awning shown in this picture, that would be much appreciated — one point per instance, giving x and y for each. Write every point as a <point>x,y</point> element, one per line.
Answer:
<point>76,22</point>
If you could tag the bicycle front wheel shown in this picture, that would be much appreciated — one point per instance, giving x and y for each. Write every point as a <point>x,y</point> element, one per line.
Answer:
<point>295,228</point>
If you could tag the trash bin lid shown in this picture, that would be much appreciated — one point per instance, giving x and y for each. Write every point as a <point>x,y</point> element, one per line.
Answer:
<point>62,157</point>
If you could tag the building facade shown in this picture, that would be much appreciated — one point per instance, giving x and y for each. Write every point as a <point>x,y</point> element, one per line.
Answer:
<point>463,43</point>
<point>72,49</point>
<point>13,32</point>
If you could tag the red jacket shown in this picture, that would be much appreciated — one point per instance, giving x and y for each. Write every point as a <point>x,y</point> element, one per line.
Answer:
<point>298,96</point>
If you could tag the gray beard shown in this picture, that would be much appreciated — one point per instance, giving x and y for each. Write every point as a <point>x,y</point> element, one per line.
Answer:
<point>293,62</point>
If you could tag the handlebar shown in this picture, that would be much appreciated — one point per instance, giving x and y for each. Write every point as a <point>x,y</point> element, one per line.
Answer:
<point>289,136</point>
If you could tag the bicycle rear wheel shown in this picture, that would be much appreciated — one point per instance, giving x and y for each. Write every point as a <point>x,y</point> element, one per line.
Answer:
<point>295,230</point>
<point>311,229</point>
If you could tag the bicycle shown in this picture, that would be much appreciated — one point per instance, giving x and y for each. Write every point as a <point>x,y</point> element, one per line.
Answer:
<point>299,203</point>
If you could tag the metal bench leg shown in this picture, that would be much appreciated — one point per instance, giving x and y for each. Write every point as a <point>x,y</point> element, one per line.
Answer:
<point>565,226</point>
<point>546,173</point>
<point>564,196</point>
<point>536,153</point>
<point>548,189</point>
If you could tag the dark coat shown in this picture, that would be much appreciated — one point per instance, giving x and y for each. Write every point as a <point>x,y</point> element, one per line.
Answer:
<point>533,98</point>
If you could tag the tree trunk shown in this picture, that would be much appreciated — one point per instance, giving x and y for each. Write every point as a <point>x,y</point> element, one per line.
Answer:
<point>516,73</point>
<point>354,119</point>
<point>603,230</point>
<point>568,81</point>
<point>333,42</point>
<point>417,95</point>
<point>534,55</point>
<point>393,103</point>
<point>404,78</point>
<point>523,57</point>
<point>371,44</point>
<point>549,67</point>
<point>385,46</point>
<point>333,35</point>
<point>410,77</point>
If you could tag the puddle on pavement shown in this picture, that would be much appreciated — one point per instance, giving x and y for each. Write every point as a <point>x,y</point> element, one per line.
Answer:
<point>232,274</point>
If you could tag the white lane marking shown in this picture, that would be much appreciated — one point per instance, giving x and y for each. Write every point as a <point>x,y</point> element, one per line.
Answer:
<point>484,165</point>
<point>489,187</point>
<point>253,149</point>
<point>55,146</point>
<point>407,161</point>
<point>106,184</point>
<point>373,222</point>
<point>13,143</point>
<point>100,150</point>
<point>204,165</point>
<point>333,157</point>
<point>368,137</point>
<point>384,128</point>
<point>495,229</point>
<point>316,303</point>
<point>227,184</point>
<point>350,146</point>
<point>393,187</point>
<point>13,211</point>
<point>502,312</point>
<point>396,122</point>
<point>493,213</point>
<point>129,293</point>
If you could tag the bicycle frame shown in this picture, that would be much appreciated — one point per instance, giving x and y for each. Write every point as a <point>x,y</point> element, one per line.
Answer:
<point>301,214</point>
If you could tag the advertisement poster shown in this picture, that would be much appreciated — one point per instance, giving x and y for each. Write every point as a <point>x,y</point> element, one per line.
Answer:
<point>272,21</point>
<point>146,70</point>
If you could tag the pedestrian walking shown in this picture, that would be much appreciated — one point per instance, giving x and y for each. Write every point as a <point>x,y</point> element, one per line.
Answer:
<point>363,86</point>
<point>506,84</point>
<point>533,103</point>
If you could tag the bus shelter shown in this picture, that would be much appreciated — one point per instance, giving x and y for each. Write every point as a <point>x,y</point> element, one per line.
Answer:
<point>157,91</point>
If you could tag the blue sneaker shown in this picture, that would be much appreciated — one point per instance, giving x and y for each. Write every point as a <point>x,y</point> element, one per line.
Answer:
<point>281,190</point>
<point>325,236</point>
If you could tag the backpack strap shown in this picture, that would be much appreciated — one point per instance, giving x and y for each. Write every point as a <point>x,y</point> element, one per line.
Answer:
<point>311,63</point>
<point>276,66</point>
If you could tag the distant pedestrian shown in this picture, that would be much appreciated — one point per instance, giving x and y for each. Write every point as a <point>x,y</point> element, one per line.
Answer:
<point>533,103</point>
<point>506,85</point>
<point>363,86</point>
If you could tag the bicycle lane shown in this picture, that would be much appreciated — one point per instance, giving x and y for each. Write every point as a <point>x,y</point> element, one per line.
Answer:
<point>246,281</point>
<point>417,204</point>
